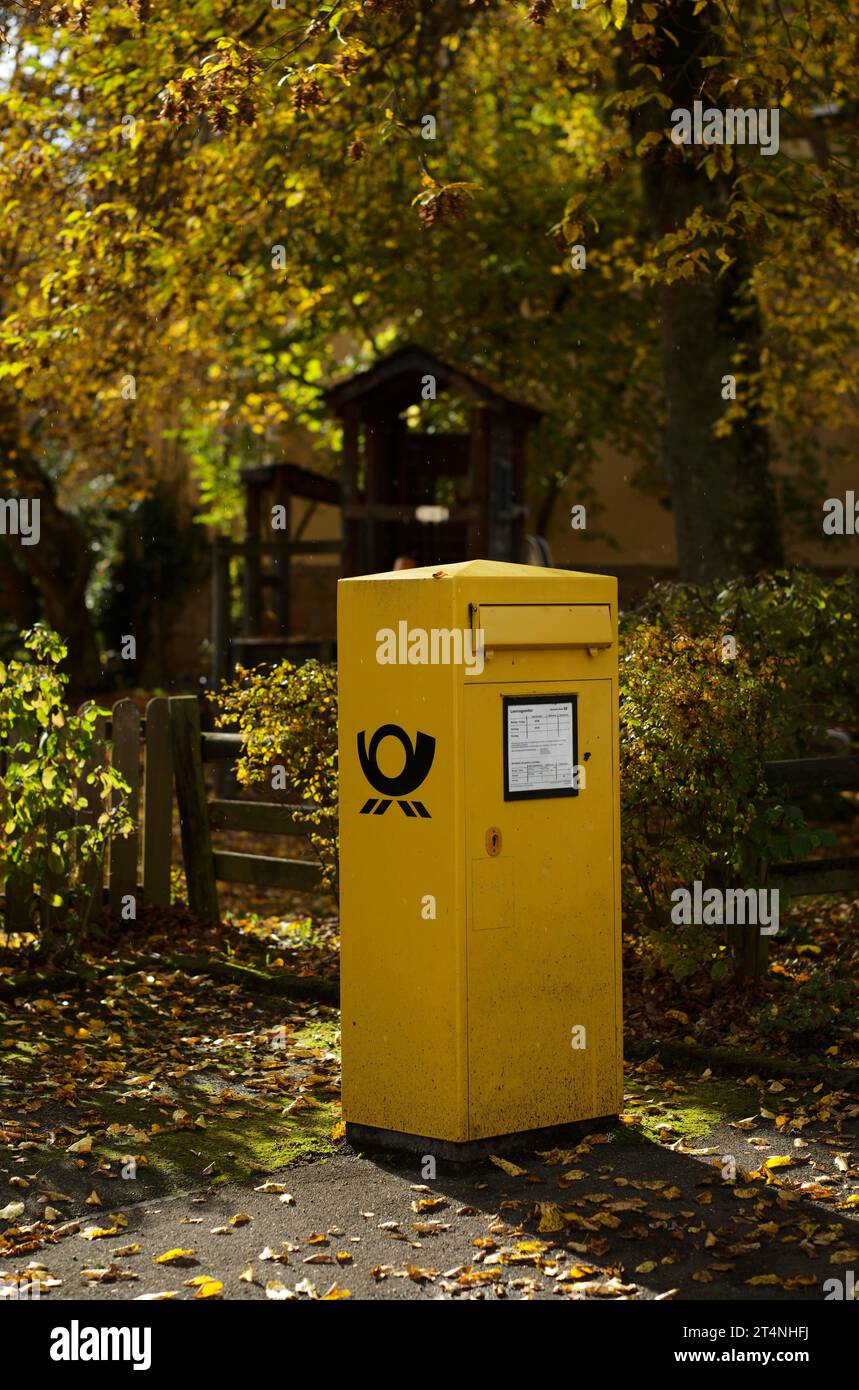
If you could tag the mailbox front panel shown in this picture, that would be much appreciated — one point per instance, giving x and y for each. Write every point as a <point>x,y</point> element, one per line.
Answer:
<point>541,911</point>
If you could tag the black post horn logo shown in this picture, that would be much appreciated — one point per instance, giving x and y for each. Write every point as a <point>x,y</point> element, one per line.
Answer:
<point>418,763</point>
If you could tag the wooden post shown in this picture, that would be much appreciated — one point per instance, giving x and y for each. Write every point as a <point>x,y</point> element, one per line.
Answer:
<point>753,955</point>
<point>374,464</point>
<point>157,804</point>
<point>282,558</point>
<point>221,654</point>
<point>17,888</point>
<point>18,892</point>
<point>479,484</point>
<point>351,561</point>
<point>517,500</point>
<point>122,879</point>
<point>93,874</point>
<point>220,611</point>
<point>757,946</point>
<point>62,820</point>
<point>193,808</point>
<point>252,585</point>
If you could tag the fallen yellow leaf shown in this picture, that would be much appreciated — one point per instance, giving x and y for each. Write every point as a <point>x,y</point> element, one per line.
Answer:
<point>551,1217</point>
<point>174,1256</point>
<point>511,1169</point>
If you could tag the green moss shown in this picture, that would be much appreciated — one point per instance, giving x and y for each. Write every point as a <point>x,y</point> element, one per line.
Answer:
<point>256,1142</point>
<point>322,1032</point>
<point>241,1138</point>
<point>238,1141</point>
<point>627,1136</point>
<point>690,1112</point>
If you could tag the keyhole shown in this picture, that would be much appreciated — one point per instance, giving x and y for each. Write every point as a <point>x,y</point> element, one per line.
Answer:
<point>493,841</point>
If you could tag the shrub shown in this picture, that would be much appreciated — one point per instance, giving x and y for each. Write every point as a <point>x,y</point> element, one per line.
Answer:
<point>818,1006</point>
<point>288,714</point>
<point>807,623</point>
<point>696,729</point>
<point>49,861</point>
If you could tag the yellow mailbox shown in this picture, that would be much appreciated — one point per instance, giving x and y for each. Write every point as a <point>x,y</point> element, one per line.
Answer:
<point>479,852</point>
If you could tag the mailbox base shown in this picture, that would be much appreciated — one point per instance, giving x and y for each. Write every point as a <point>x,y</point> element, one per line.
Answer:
<point>473,1150</point>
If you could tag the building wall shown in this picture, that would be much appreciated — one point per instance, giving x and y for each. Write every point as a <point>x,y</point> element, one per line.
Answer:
<point>642,528</point>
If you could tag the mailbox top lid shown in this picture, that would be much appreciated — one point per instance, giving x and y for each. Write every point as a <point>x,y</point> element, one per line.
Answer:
<point>480,569</point>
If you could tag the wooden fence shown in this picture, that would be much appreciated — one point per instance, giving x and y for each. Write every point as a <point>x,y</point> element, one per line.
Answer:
<point>198,817</point>
<point>167,744</point>
<point>140,749</point>
<point>800,777</point>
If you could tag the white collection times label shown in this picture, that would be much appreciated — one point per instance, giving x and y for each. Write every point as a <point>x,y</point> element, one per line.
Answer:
<point>540,746</point>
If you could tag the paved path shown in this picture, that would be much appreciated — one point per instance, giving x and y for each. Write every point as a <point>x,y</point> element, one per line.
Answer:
<point>640,1219</point>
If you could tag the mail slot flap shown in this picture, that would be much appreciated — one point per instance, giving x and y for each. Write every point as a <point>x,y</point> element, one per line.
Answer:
<point>545,625</point>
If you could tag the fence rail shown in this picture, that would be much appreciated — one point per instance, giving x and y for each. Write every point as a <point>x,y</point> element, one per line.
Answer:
<point>801,776</point>
<point>813,774</point>
<point>198,817</point>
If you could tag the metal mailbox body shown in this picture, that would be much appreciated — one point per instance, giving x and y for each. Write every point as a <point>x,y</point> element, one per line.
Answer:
<point>480,899</point>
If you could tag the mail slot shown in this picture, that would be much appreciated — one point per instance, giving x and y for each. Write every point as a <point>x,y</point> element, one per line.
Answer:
<point>479,853</point>
<point>552,625</point>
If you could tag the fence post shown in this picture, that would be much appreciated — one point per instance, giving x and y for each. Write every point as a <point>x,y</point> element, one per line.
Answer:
<point>221,621</point>
<point>93,874</point>
<point>220,611</point>
<point>17,890</point>
<point>62,820</point>
<point>157,804</point>
<point>193,808</point>
<point>752,955</point>
<point>122,879</point>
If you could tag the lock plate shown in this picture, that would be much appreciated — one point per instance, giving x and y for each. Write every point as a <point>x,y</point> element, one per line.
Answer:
<point>493,841</point>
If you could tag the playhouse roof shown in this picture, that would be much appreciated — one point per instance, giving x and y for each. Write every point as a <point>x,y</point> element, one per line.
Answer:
<point>301,482</point>
<point>396,381</point>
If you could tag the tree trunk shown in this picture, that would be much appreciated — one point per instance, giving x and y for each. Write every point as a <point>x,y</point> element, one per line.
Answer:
<point>18,598</point>
<point>722,496</point>
<point>59,565</point>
